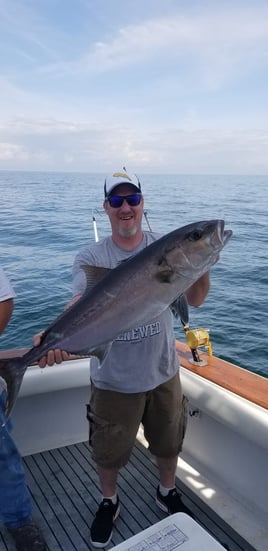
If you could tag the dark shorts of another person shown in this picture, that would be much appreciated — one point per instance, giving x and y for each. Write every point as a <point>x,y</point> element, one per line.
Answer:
<point>114,420</point>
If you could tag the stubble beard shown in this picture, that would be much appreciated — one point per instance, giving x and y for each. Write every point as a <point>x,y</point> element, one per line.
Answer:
<point>124,232</point>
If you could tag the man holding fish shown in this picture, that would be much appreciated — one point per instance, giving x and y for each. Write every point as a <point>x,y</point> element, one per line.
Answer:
<point>135,379</point>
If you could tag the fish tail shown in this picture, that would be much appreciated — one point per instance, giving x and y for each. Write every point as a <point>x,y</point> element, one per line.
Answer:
<point>12,371</point>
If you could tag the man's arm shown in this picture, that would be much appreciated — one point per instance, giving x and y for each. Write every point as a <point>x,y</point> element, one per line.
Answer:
<point>6,309</point>
<point>197,293</point>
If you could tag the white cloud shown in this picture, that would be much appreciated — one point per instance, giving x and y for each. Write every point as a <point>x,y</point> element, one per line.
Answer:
<point>166,149</point>
<point>171,92</point>
<point>218,39</point>
<point>11,152</point>
<point>44,127</point>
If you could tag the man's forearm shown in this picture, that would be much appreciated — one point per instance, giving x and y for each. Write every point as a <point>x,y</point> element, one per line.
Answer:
<point>6,309</point>
<point>197,293</point>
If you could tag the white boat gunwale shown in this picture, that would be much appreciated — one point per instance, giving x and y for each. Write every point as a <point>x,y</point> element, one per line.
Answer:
<point>224,400</point>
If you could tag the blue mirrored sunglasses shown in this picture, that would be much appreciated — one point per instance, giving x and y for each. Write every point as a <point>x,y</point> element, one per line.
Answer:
<point>116,201</point>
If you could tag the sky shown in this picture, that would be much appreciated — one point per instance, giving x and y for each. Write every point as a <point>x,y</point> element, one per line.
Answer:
<point>158,86</point>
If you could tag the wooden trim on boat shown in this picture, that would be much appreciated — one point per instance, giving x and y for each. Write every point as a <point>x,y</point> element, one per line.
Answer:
<point>248,385</point>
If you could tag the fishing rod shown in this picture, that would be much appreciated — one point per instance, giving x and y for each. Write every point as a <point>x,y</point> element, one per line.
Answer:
<point>145,214</point>
<point>95,229</point>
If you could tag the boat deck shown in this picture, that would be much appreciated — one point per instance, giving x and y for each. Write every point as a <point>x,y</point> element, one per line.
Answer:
<point>65,493</point>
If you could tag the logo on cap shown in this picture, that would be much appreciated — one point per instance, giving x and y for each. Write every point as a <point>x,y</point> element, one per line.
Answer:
<point>121,175</point>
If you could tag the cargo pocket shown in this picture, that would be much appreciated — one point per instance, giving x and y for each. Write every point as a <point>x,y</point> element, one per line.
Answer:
<point>184,417</point>
<point>90,421</point>
<point>183,422</point>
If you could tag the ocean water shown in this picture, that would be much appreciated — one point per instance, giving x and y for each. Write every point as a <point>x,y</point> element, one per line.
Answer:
<point>47,217</point>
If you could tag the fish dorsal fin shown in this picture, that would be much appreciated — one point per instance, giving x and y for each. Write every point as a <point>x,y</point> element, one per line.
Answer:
<point>94,275</point>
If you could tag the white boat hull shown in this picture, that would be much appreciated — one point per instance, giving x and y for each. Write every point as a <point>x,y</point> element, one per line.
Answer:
<point>225,450</point>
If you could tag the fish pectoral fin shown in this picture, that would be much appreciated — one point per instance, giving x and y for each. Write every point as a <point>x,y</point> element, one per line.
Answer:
<point>165,274</point>
<point>180,310</point>
<point>101,352</point>
<point>94,275</point>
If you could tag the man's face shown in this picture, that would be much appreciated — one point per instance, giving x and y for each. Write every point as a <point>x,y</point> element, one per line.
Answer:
<point>125,220</point>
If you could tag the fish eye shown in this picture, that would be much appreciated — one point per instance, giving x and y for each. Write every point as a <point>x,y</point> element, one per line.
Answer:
<point>195,235</point>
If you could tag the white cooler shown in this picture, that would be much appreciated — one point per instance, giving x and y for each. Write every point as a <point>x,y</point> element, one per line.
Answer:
<point>175,532</point>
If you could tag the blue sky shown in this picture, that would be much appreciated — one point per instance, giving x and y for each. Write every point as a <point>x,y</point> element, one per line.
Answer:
<point>161,86</point>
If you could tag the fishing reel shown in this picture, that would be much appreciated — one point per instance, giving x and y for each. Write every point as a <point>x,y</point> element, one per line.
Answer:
<point>194,337</point>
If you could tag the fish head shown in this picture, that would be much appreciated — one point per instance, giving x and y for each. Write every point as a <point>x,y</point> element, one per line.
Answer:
<point>190,251</point>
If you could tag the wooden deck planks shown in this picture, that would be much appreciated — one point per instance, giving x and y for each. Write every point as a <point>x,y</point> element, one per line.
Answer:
<point>65,492</point>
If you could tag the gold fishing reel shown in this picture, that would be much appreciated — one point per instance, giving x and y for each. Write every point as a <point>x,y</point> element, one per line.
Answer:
<point>196,338</point>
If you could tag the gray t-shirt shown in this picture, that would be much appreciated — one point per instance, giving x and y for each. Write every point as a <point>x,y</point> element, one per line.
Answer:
<point>143,357</point>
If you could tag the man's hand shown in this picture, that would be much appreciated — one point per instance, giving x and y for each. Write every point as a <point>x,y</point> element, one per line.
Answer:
<point>53,356</point>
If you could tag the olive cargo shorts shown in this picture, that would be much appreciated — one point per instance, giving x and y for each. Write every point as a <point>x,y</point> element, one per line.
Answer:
<point>114,420</point>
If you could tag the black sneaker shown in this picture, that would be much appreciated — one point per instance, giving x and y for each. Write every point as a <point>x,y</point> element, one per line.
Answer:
<point>171,503</point>
<point>28,537</point>
<point>102,526</point>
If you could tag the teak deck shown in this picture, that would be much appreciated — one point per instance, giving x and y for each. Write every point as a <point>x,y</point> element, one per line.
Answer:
<point>65,493</point>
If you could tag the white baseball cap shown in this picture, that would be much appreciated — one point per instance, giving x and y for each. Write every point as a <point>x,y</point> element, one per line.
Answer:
<point>117,178</point>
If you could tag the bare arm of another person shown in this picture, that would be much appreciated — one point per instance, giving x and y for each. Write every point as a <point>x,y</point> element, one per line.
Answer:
<point>6,309</point>
<point>54,356</point>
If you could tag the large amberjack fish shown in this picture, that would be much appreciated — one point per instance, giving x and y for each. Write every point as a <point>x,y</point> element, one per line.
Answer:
<point>133,293</point>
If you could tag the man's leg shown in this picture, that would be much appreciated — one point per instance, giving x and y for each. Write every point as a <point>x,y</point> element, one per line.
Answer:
<point>167,470</point>
<point>164,428</point>
<point>114,420</point>
<point>108,480</point>
<point>15,501</point>
<point>109,508</point>
<point>167,496</point>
